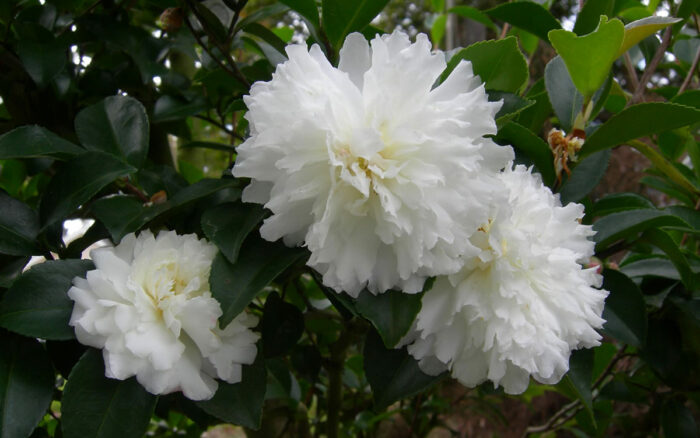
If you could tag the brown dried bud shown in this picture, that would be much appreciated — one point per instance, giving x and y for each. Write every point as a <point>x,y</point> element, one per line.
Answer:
<point>171,19</point>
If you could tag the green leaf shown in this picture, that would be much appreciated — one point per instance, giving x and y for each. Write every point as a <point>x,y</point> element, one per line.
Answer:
<point>512,105</point>
<point>664,242</point>
<point>639,121</point>
<point>474,14</point>
<point>19,226</point>
<point>677,420</point>
<point>26,384</point>
<point>392,374</point>
<point>625,311</point>
<point>33,141</point>
<point>585,177</point>
<point>169,108</point>
<point>260,262</point>
<point>566,101</point>
<point>689,98</point>
<point>282,326</point>
<point>227,225</point>
<point>653,266</point>
<point>391,313</point>
<point>78,181</point>
<point>341,17</point>
<point>209,145</point>
<point>37,305</point>
<point>307,9</point>
<point>499,63</point>
<point>261,14</point>
<point>579,378</point>
<point>612,203</point>
<point>523,140</point>
<point>528,16</point>
<point>122,215</point>
<point>10,269</point>
<point>437,30</point>
<point>117,125</point>
<point>268,36</point>
<point>97,407</point>
<point>42,60</point>
<point>588,18</point>
<point>240,403</point>
<point>636,31</point>
<point>624,224</point>
<point>589,58</point>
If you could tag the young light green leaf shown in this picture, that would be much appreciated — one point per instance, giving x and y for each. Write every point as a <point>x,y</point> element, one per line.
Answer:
<point>98,407</point>
<point>341,17</point>
<point>391,313</point>
<point>640,29</point>
<point>78,181</point>
<point>625,311</point>
<point>437,30</point>
<point>474,14</point>
<point>499,63</point>
<point>393,374</point>
<point>528,16</point>
<point>37,305</point>
<point>19,226</point>
<point>26,384</point>
<point>33,141</point>
<point>639,121</point>
<point>117,125</point>
<point>589,58</point>
<point>240,403</point>
<point>260,262</point>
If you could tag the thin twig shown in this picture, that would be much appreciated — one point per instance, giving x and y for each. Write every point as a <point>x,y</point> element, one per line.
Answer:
<point>504,31</point>
<point>204,46</point>
<point>631,72</point>
<point>651,68</point>
<point>220,126</point>
<point>691,72</point>
<point>136,191</point>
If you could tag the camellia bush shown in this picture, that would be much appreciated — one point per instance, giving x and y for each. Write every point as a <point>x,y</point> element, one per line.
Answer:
<point>300,219</point>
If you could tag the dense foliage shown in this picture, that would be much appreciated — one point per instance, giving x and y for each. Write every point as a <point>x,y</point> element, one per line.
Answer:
<point>126,115</point>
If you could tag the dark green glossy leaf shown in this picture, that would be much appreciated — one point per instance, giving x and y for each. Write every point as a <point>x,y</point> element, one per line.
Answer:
<point>689,98</point>
<point>341,17</point>
<point>19,226</point>
<point>42,60</point>
<point>37,305</point>
<point>624,224</point>
<point>282,326</point>
<point>26,384</point>
<point>664,242</point>
<point>240,403</point>
<point>117,125</point>
<point>261,14</point>
<point>392,374</point>
<point>307,9</point>
<point>566,101</point>
<point>585,177</point>
<point>209,145</point>
<point>639,121</point>
<point>579,377</point>
<point>615,202</point>
<point>227,225</point>
<point>624,312</point>
<point>97,407</point>
<point>33,141</point>
<point>122,215</point>
<point>528,16</point>
<point>654,266</point>
<point>677,420</point>
<point>391,313</point>
<point>499,63</point>
<point>512,105</point>
<point>78,181</point>
<point>589,16</point>
<point>10,268</point>
<point>169,108</point>
<point>260,262</point>
<point>523,140</point>
<point>268,36</point>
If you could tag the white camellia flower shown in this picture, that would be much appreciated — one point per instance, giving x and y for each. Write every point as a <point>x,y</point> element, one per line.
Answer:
<point>148,306</point>
<point>522,305</point>
<point>383,177</point>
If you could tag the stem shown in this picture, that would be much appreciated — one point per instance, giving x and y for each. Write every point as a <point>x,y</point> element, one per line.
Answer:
<point>631,72</point>
<point>136,191</point>
<point>651,68</point>
<point>663,164</point>
<point>689,76</point>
